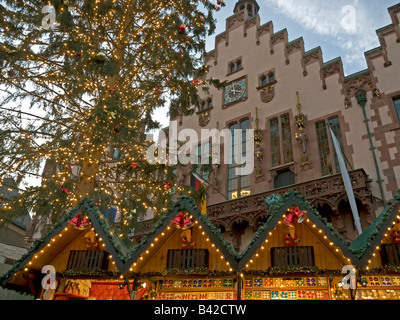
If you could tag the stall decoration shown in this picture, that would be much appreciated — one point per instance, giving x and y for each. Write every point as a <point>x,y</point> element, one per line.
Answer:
<point>182,221</point>
<point>80,221</point>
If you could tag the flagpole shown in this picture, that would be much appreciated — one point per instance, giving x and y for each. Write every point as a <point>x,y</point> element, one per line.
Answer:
<point>346,181</point>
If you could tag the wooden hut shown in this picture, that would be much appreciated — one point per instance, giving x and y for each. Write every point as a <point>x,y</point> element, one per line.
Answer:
<point>185,257</point>
<point>378,253</point>
<point>81,253</point>
<point>289,260</point>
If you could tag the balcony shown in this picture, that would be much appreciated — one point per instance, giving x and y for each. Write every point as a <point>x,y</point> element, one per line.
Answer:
<point>187,258</point>
<point>292,257</point>
<point>328,189</point>
<point>87,260</point>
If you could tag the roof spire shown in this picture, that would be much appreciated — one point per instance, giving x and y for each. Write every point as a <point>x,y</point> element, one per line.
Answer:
<point>251,6</point>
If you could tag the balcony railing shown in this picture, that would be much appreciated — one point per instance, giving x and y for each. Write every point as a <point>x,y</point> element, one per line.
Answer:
<point>328,189</point>
<point>87,260</point>
<point>292,257</point>
<point>391,254</point>
<point>187,258</point>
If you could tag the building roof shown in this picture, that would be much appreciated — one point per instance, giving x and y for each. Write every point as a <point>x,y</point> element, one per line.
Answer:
<point>364,246</point>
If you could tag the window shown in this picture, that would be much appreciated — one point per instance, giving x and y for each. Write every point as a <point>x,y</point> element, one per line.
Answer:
<point>238,186</point>
<point>284,178</point>
<point>263,80</point>
<point>267,79</point>
<point>325,147</point>
<point>292,257</point>
<point>281,140</point>
<point>397,108</point>
<point>186,259</point>
<point>206,104</point>
<point>271,77</point>
<point>235,66</point>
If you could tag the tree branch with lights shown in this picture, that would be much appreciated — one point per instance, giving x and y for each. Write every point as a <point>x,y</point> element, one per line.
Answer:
<point>73,93</point>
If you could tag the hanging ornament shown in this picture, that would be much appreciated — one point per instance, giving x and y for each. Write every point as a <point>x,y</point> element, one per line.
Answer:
<point>116,129</point>
<point>112,90</point>
<point>134,165</point>
<point>294,214</point>
<point>101,57</point>
<point>167,185</point>
<point>291,241</point>
<point>76,54</point>
<point>65,190</point>
<point>182,221</point>
<point>182,28</point>
<point>80,222</point>
<point>92,242</point>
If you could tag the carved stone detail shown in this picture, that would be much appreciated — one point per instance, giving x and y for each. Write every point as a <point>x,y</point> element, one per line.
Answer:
<point>204,118</point>
<point>267,93</point>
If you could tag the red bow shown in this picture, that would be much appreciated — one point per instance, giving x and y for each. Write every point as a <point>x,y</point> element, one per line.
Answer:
<point>167,185</point>
<point>134,165</point>
<point>182,28</point>
<point>116,129</point>
<point>294,214</point>
<point>65,190</point>
<point>78,54</point>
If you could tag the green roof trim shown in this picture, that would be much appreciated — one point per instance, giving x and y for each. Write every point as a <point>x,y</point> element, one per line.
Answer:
<point>277,205</point>
<point>114,245</point>
<point>185,203</point>
<point>365,244</point>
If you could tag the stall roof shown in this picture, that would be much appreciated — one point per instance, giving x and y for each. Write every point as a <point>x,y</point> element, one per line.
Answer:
<point>185,203</point>
<point>277,206</point>
<point>364,246</point>
<point>114,244</point>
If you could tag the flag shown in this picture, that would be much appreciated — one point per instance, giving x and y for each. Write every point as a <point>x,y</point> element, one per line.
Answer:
<point>196,182</point>
<point>347,182</point>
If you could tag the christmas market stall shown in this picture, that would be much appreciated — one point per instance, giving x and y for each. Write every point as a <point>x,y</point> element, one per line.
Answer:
<point>185,257</point>
<point>295,255</point>
<point>80,258</point>
<point>378,250</point>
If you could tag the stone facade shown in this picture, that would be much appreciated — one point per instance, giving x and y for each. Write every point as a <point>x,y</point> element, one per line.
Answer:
<point>282,78</point>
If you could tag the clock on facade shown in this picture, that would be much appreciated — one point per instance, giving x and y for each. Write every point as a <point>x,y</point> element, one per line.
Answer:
<point>235,91</point>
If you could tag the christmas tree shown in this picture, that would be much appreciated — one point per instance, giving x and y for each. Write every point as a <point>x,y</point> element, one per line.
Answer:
<point>80,84</point>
